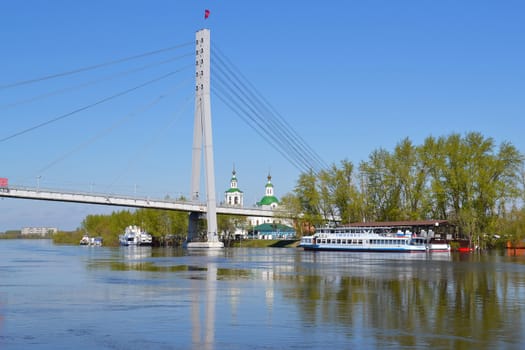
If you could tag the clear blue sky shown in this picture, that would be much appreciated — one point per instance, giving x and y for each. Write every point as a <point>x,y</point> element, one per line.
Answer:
<point>349,76</point>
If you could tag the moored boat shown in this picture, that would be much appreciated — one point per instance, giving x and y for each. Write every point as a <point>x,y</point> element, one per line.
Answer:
<point>361,239</point>
<point>134,235</point>
<point>86,240</point>
<point>432,244</point>
<point>438,245</point>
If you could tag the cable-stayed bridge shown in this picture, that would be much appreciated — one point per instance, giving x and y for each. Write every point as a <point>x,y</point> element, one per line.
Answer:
<point>236,93</point>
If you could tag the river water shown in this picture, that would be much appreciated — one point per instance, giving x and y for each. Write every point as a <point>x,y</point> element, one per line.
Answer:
<point>64,297</point>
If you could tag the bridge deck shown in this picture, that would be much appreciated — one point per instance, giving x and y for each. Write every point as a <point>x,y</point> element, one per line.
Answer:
<point>125,201</point>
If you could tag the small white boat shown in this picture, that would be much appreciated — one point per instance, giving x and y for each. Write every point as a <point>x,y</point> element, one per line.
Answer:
<point>95,241</point>
<point>134,235</point>
<point>86,240</point>
<point>438,245</point>
<point>361,239</point>
<point>432,244</point>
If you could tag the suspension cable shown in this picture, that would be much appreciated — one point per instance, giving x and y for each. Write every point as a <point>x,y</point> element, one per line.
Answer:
<point>270,122</point>
<point>92,82</point>
<point>152,141</point>
<point>84,69</point>
<point>69,114</point>
<point>106,131</point>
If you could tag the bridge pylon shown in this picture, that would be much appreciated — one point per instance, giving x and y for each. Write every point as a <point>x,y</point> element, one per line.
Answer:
<point>202,137</point>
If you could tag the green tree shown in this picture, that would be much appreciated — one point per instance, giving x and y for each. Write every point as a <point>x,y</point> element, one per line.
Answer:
<point>513,227</point>
<point>411,177</point>
<point>309,198</point>
<point>381,187</point>
<point>464,179</point>
<point>339,192</point>
<point>291,208</point>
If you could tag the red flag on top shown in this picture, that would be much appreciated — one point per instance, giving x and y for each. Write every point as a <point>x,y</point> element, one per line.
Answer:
<point>206,14</point>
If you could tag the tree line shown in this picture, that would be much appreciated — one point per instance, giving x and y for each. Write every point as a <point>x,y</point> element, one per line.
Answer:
<point>166,226</point>
<point>470,181</point>
<point>467,180</point>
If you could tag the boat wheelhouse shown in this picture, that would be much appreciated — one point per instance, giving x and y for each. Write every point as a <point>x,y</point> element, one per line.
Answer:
<point>361,239</point>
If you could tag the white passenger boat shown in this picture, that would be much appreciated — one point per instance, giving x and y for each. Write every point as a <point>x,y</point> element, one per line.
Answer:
<point>361,239</point>
<point>134,235</point>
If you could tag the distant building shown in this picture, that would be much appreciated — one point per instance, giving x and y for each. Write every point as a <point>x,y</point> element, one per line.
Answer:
<point>275,226</point>
<point>234,196</point>
<point>269,202</point>
<point>40,231</point>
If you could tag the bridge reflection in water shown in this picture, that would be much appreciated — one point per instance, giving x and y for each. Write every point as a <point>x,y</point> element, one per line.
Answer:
<point>207,339</point>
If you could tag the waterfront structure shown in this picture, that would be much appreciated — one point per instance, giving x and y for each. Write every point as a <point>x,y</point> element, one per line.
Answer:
<point>38,231</point>
<point>272,231</point>
<point>431,229</point>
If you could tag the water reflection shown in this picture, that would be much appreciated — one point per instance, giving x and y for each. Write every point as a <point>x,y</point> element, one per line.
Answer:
<point>205,340</point>
<point>411,302</point>
<point>441,300</point>
<point>258,298</point>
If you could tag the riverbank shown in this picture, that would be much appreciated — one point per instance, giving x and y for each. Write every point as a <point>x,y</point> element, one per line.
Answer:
<point>266,243</point>
<point>73,238</point>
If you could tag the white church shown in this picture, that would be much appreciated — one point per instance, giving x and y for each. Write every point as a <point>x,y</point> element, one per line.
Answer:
<point>235,197</point>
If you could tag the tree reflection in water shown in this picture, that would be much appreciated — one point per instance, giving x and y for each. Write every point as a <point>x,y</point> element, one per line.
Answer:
<point>436,301</point>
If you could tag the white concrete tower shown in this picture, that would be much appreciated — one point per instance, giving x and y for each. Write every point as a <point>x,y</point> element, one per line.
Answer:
<point>202,134</point>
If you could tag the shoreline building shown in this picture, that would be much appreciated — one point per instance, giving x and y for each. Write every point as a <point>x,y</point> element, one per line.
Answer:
<point>38,231</point>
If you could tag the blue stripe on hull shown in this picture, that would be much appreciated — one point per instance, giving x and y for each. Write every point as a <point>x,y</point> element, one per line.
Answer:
<point>378,250</point>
